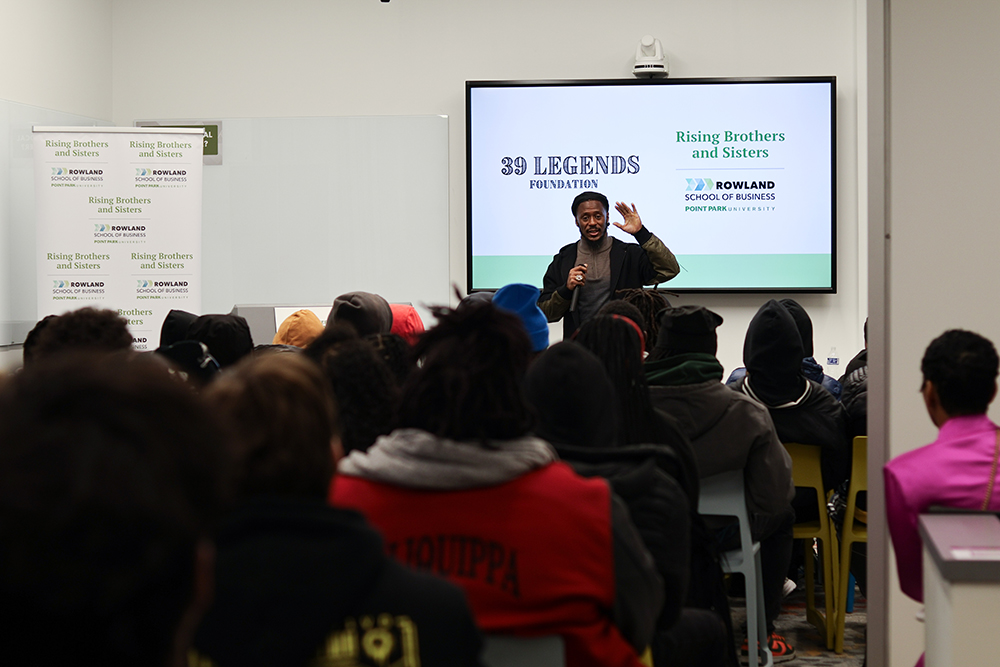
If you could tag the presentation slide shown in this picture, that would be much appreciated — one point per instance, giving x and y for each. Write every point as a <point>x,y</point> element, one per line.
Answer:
<point>736,177</point>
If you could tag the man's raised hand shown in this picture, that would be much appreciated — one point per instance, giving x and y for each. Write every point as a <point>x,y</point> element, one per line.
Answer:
<point>631,221</point>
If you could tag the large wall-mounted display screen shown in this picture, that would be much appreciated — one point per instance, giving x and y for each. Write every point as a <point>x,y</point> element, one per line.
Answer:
<point>736,176</point>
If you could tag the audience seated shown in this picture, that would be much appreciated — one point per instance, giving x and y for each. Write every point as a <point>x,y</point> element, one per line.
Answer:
<point>227,337</point>
<point>461,488</point>
<point>396,353</point>
<point>31,340</point>
<point>855,402</point>
<point>83,330</point>
<point>801,410</point>
<point>299,329</point>
<point>728,431</point>
<point>363,386</point>
<point>618,343</point>
<point>855,396</point>
<point>649,303</point>
<point>959,468</point>
<point>112,477</point>
<point>368,313</point>
<point>522,300</point>
<point>299,582</point>
<point>175,327</point>
<point>583,433</point>
<point>406,322</point>
<point>810,367</point>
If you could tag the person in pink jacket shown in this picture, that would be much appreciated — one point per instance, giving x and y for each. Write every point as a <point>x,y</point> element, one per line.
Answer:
<point>958,469</point>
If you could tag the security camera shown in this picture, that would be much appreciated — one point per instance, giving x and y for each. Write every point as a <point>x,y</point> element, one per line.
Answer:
<point>649,60</point>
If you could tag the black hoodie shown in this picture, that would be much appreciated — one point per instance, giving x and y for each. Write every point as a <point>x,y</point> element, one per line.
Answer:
<point>296,579</point>
<point>802,411</point>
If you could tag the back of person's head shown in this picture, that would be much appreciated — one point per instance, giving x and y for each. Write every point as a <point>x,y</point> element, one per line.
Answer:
<point>476,297</point>
<point>772,353</point>
<point>572,396</point>
<point>396,353</point>
<point>365,390</point>
<point>31,340</point>
<point>298,329</point>
<point>962,366</point>
<point>284,425</point>
<point>406,322</point>
<point>368,313</point>
<point>802,323</point>
<point>112,477</point>
<point>617,342</point>
<point>227,337</point>
<point>522,300</point>
<point>650,303</point>
<point>333,336</point>
<point>83,330</point>
<point>468,386</point>
<point>687,329</point>
<point>175,327</point>
<point>625,309</point>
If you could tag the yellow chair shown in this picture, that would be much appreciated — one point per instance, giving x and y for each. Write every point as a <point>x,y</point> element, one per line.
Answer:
<point>807,472</point>
<point>855,530</point>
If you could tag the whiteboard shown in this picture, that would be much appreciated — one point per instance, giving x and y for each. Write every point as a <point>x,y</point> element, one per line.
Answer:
<point>301,210</point>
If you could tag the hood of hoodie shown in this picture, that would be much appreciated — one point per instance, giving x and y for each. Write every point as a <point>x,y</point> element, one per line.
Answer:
<point>802,323</point>
<point>416,459</point>
<point>175,327</point>
<point>772,353</point>
<point>683,369</point>
<point>287,571</point>
<point>368,313</point>
<point>227,337</point>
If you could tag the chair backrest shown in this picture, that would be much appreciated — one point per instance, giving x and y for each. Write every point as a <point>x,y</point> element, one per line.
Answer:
<point>859,473</point>
<point>807,470</point>
<point>507,651</point>
<point>723,495</point>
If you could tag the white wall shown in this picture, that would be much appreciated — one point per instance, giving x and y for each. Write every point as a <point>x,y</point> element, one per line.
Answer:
<point>310,58</point>
<point>57,54</point>
<point>943,159</point>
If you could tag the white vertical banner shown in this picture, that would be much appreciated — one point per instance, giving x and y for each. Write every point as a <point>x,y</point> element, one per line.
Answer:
<point>118,220</point>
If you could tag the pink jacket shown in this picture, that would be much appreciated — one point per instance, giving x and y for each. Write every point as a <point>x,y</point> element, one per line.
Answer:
<point>952,471</point>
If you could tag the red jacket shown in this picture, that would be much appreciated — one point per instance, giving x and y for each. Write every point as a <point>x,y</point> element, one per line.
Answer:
<point>534,555</point>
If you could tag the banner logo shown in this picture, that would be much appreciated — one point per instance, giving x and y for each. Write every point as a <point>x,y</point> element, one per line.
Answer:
<point>143,171</point>
<point>699,184</point>
<point>60,171</point>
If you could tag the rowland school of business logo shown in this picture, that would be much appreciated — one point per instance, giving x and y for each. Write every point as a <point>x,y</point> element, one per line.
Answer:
<point>150,177</point>
<point>73,177</point>
<point>77,289</point>
<point>161,289</point>
<point>728,195</point>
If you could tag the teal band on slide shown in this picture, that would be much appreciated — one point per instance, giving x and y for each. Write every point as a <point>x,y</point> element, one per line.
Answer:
<point>804,271</point>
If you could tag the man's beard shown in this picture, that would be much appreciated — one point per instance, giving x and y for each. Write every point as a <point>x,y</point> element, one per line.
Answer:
<point>594,246</point>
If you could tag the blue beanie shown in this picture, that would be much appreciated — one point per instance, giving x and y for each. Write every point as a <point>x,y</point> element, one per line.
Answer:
<point>522,300</point>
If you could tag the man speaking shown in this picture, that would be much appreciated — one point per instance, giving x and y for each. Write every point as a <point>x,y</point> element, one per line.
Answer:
<point>586,274</point>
